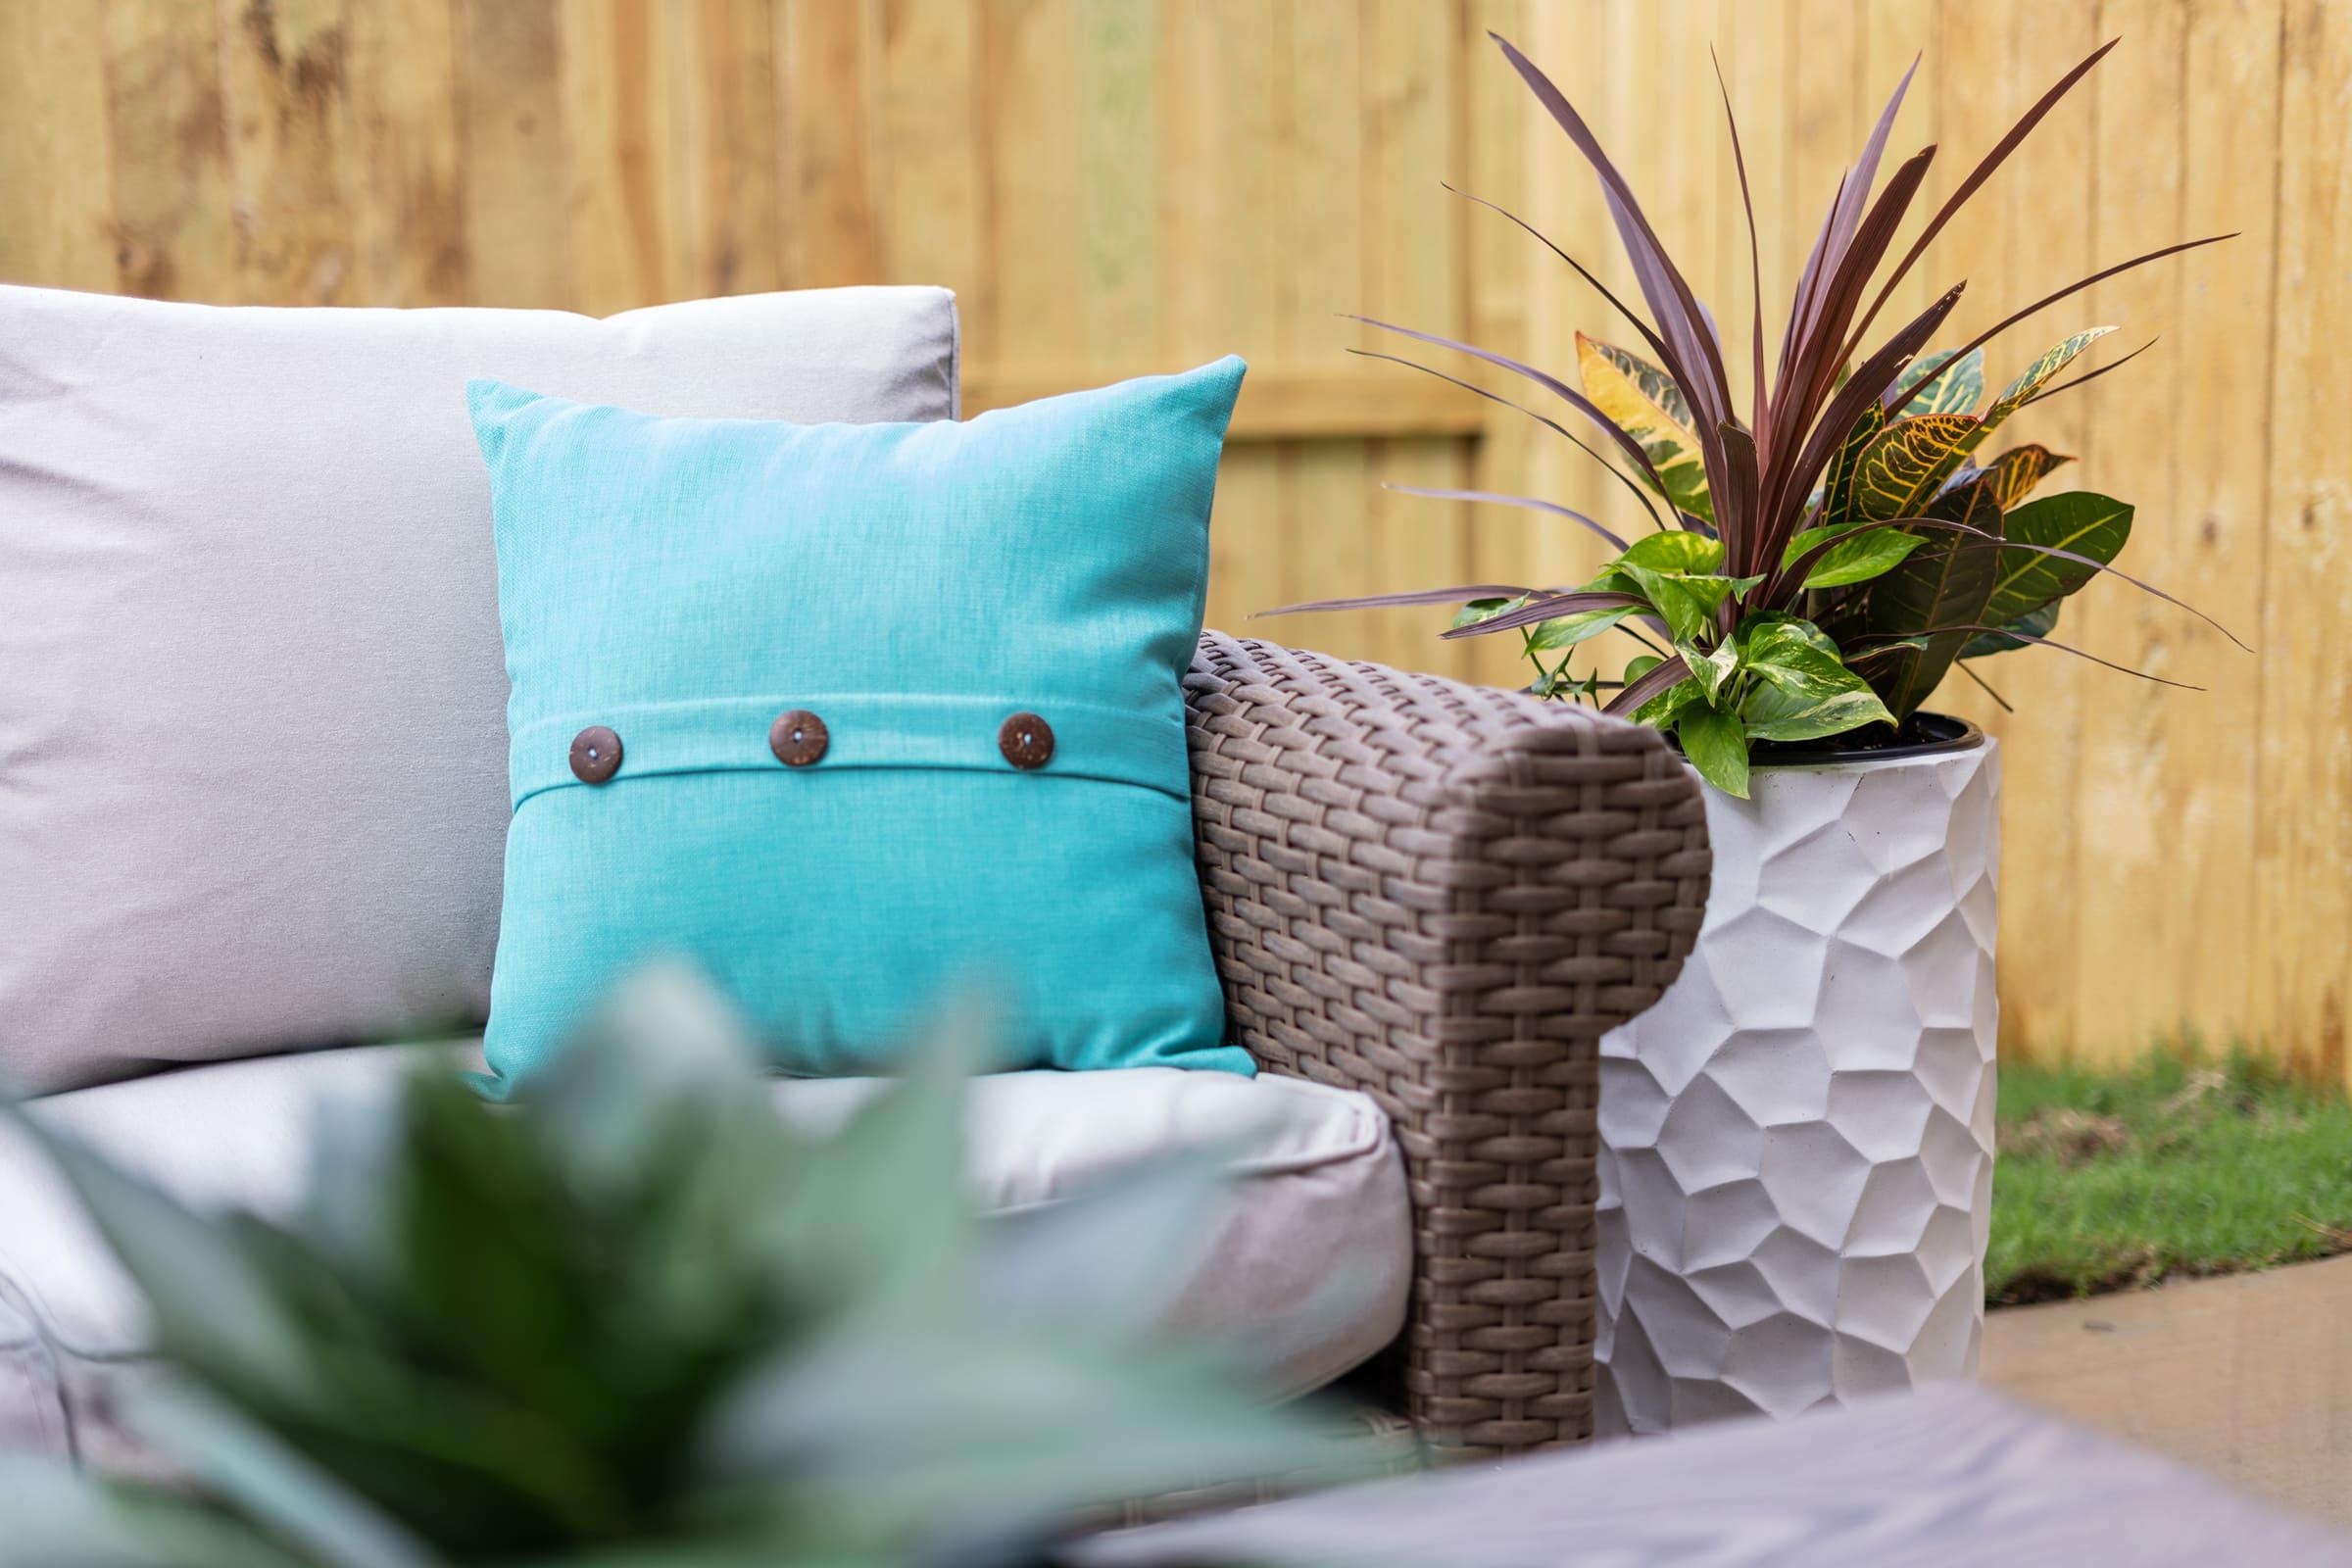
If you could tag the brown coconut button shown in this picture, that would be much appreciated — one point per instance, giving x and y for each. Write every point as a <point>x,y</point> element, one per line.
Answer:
<point>595,755</point>
<point>798,738</point>
<point>1027,740</point>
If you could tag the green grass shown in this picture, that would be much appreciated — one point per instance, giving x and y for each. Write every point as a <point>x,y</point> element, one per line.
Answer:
<point>2185,1165</point>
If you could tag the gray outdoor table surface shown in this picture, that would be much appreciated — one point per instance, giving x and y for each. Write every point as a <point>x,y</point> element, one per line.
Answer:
<point>1951,1476</point>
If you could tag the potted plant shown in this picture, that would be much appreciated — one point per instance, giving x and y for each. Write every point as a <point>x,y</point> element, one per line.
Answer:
<point>1799,1137</point>
<point>641,1319</point>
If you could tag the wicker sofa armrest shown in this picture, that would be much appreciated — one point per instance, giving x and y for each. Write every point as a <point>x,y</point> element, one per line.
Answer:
<point>1444,895</point>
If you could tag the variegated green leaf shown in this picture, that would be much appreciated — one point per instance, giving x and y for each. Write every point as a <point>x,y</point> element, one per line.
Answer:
<point>1717,746</point>
<point>1855,559</point>
<point>1567,631</point>
<point>1712,670</point>
<point>1674,549</point>
<point>1837,491</point>
<point>1907,463</point>
<point>2078,521</point>
<point>2037,376</point>
<point>1645,404</point>
<point>1934,383</point>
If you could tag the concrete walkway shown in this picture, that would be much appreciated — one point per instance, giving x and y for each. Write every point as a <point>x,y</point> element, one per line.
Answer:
<point>2249,1377</point>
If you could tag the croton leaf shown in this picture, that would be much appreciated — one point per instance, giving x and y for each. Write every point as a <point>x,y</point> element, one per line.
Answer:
<point>1935,383</point>
<point>1716,744</point>
<point>2013,475</point>
<point>1837,491</point>
<point>1647,405</point>
<point>1850,561</point>
<point>2079,521</point>
<point>1907,463</point>
<point>1930,601</point>
<point>2038,622</point>
<point>2037,376</point>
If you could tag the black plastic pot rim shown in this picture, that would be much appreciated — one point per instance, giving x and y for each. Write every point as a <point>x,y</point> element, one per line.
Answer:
<point>1959,735</point>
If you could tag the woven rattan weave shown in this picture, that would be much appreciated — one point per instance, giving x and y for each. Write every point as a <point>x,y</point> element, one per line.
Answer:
<point>1444,895</point>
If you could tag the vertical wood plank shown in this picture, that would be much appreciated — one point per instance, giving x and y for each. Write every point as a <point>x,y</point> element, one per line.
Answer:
<point>1223,238</point>
<point>1501,288</point>
<point>2211,544</point>
<point>729,180</point>
<point>623,227</point>
<point>1413,277</point>
<point>514,173</point>
<point>1326,484</point>
<point>284,81</point>
<point>1119,217</point>
<point>59,218</point>
<point>2051,201</point>
<point>399,149</point>
<point>825,69</point>
<point>166,127</point>
<point>2130,780</point>
<point>935,179</point>
<point>1037,253</point>
<point>2304,859</point>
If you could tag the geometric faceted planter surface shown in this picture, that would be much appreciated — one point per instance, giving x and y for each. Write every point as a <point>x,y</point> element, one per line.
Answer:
<point>1796,1141</point>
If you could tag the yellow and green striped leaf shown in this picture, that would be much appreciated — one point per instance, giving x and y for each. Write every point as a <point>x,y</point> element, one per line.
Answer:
<point>2014,473</point>
<point>2079,521</point>
<point>1645,404</point>
<point>2038,375</point>
<point>1905,464</point>
<point>1837,491</point>
<point>1934,383</point>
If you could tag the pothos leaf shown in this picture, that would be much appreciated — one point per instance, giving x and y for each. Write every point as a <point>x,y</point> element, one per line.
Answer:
<point>1568,631</point>
<point>1802,689</point>
<point>1933,383</point>
<point>1713,670</point>
<point>1673,550</point>
<point>2038,622</point>
<point>1716,744</point>
<point>1907,463</point>
<point>1850,561</point>
<point>1646,405</point>
<point>2079,520</point>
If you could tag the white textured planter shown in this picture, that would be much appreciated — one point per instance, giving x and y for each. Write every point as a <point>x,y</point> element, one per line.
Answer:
<point>1796,1141</point>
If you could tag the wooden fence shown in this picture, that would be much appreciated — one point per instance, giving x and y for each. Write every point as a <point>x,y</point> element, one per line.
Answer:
<point>1116,185</point>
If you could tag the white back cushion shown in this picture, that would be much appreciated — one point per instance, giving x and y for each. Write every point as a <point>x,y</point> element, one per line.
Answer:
<point>253,747</point>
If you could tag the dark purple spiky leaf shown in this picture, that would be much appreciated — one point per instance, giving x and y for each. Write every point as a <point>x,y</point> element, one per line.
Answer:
<point>1658,678</point>
<point>1545,379</point>
<point>1461,595</point>
<point>1676,307</point>
<point>1977,176</point>
<point>1552,425</point>
<point>1531,502</point>
<point>1547,608</point>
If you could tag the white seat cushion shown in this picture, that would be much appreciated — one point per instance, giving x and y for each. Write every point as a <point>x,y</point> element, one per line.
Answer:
<point>1306,1258</point>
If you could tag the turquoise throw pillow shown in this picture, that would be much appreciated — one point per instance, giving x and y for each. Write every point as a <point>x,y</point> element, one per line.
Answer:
<point>854,716</point>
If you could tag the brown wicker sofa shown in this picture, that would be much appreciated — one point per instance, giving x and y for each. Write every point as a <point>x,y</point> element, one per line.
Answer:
<point>1444,895</point>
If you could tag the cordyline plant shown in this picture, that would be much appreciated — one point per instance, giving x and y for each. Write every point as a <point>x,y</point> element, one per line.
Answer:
<point>1820,564</point>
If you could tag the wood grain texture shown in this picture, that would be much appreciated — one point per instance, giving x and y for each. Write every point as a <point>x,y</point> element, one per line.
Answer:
<point>1118,187</point>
